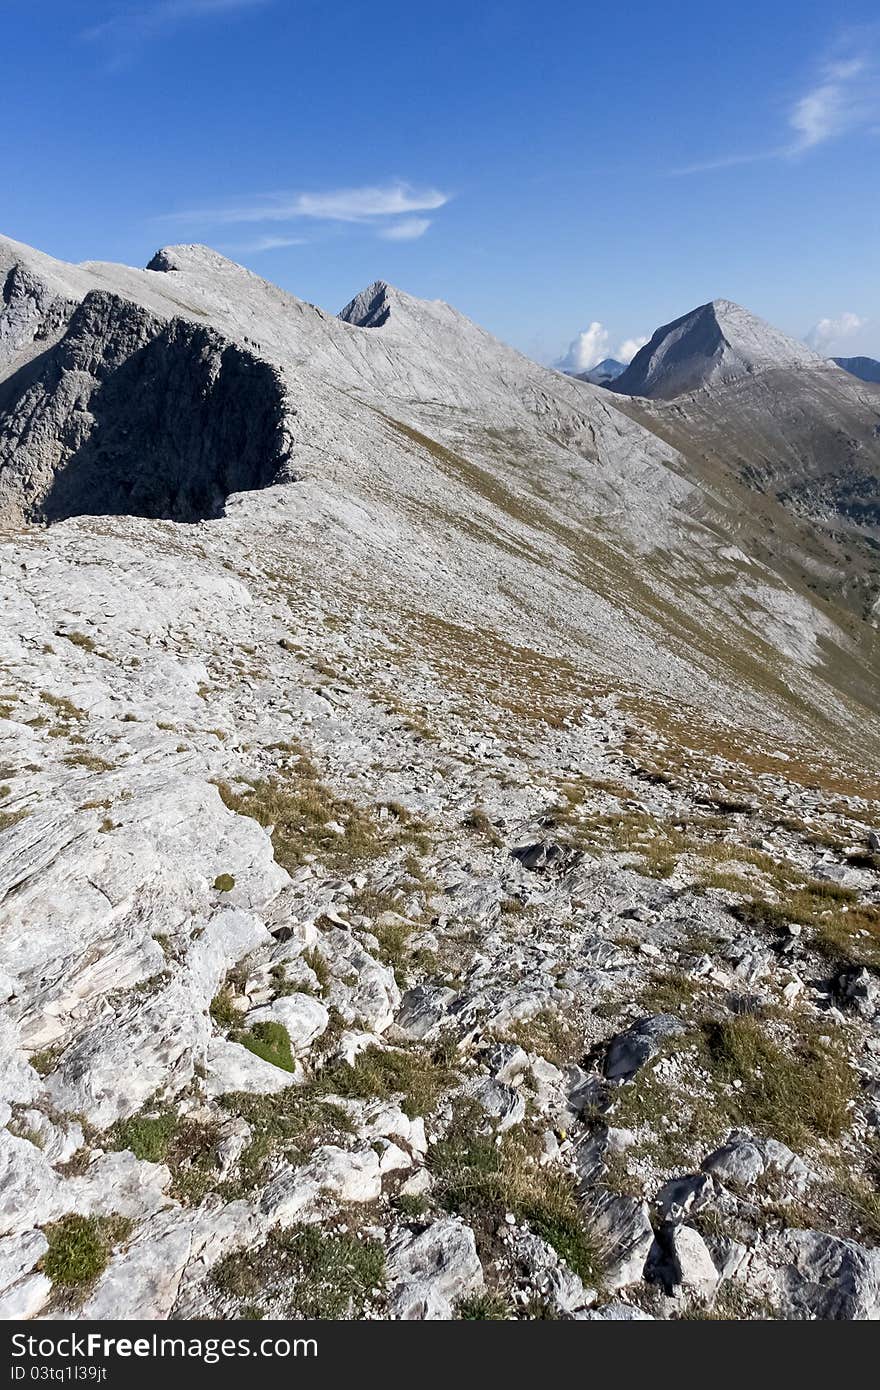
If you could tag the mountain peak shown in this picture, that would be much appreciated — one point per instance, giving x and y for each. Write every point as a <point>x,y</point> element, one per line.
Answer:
<point>715,343</point>
<point>603,372</point>
<point>192,256</point>
<point>379,302</point>
<point>372,307</point>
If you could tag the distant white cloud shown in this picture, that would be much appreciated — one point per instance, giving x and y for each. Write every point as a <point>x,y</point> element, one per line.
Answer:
<point>830,108</point>
<point>129,25</point>
<point>380,206</point>
<point>628,349</point>
<point>590,347</point>
<point>265,243</point>
<point>825,334</point>
<point>339,205</point>
<point>843,97</point>
<point>408,230</point>
<point>584,351</point>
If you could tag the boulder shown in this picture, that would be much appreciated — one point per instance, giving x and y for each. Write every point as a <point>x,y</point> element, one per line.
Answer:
<point>622,1227</point>
<point>304,1017</point>
<point>829,1278</point>
<point>429,1272</point>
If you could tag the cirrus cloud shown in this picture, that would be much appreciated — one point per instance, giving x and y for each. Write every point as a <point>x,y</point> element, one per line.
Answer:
<point>265,243</point>
<point>122,33</point>
<point>337,205</point>
<point>843,97</point>
<point>410,229</point>
<point>387,208</point>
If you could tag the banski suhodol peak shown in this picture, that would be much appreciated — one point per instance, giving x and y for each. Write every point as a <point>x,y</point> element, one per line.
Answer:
<point>439,812</point>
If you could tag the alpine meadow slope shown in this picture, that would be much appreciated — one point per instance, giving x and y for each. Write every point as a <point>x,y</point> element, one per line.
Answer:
<point>439,852</point>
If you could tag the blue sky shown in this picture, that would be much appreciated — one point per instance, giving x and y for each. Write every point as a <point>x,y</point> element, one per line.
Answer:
<point>563,174</point>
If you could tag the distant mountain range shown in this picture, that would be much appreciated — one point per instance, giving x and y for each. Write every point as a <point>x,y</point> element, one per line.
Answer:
<point>865,368</point>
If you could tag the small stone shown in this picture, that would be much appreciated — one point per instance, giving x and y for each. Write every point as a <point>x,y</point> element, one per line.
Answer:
<point>692,1264</point>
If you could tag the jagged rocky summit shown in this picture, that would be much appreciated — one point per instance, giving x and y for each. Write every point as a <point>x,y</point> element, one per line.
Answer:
<point>714,344</point>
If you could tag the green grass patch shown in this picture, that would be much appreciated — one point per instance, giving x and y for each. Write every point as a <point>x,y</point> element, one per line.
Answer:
<point>795,1088</point>
<point>484,1307</point>
<point>843,928</point>
<point>797,1094</point>
<point>392,938</point>
<point>549,1035</point>
<point>299,813</point>
<point>223,1011</point>
<point>318,965</point>
<point>483,1180</point>
<point>315,1273</point>
<point>292,1122</point>
<point>80,1248</point>
<point>46,1060</point>
<point>268,1040</point>
<point>418,1078</point>
<point>148,1136</point>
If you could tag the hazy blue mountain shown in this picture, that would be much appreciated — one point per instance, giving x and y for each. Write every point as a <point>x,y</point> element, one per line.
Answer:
<point>865,368</point>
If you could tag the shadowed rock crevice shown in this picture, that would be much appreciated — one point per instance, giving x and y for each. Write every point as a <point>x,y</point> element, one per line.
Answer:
<point>131,415</point>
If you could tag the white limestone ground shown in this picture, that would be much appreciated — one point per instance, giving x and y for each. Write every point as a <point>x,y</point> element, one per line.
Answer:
<point>516,723</point>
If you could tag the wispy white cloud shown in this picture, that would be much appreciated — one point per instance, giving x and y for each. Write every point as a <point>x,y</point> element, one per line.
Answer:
<point>265,243</point>
<point>340,205</point>
<point>130,25</point>
<point>381,206</point>
<point>825,334</point>
<point>408,230</point>
<point>628,349</point>
<point>729,161</point>
<point>843,97</point>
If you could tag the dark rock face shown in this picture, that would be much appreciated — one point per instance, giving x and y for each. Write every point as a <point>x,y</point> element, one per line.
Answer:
<point>369,309</point>
<point>132,415</point>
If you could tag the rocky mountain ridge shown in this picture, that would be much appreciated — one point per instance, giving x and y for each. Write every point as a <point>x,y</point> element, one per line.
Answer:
<point>439,879</point>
